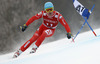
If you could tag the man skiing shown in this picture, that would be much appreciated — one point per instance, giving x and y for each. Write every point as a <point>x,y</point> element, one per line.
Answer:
<point>47,28</point>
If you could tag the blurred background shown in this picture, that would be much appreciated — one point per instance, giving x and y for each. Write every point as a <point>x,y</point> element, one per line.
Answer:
<point>14,13</point>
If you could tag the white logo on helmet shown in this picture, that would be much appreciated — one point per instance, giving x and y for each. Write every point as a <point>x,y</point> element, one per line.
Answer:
<point>48,6</point>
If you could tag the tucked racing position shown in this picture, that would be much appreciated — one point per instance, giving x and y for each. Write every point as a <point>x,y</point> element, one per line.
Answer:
<point>47,28</point>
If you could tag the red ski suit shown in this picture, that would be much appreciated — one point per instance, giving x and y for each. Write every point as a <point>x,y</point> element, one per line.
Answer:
<point>46,29</point>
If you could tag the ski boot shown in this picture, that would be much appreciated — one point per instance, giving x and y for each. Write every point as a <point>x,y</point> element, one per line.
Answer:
<point>33,50</point>
<point>17,53</point>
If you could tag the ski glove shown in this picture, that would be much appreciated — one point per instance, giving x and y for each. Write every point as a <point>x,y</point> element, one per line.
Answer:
<point>23,28</point>
<point>69,35</point>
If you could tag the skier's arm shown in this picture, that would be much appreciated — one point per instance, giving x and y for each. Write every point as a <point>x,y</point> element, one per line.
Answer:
<point>37,16</point>
<point>65,24</point>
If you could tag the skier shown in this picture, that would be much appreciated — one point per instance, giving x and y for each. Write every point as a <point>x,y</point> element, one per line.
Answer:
<point>47,29</point>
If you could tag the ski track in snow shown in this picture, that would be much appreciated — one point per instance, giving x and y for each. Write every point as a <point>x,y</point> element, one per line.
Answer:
<point>85,50</point>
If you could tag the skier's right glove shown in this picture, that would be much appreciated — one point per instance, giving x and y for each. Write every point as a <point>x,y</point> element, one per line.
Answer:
<point>23,28</point>
<point>69,35</point>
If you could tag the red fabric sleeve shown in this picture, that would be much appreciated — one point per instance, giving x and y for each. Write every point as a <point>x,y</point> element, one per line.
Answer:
<point>64,23</point>
<point>37,16</point>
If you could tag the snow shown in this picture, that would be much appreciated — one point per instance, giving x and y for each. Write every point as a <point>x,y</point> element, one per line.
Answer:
<point>85,50</point>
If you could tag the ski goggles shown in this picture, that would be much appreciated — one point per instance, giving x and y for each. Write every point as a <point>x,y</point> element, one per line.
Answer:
<point>49,10</point>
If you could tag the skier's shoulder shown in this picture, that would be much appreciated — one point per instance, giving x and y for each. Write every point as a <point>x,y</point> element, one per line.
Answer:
<point>57,12</point>
<point>40,13</point>
<point>59,15</point>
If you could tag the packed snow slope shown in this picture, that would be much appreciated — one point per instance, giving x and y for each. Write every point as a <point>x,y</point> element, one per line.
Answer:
<point>85,50</point>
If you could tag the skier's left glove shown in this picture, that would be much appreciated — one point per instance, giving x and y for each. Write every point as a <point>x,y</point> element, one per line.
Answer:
<point>69,35</point>
<point>23,28</point>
